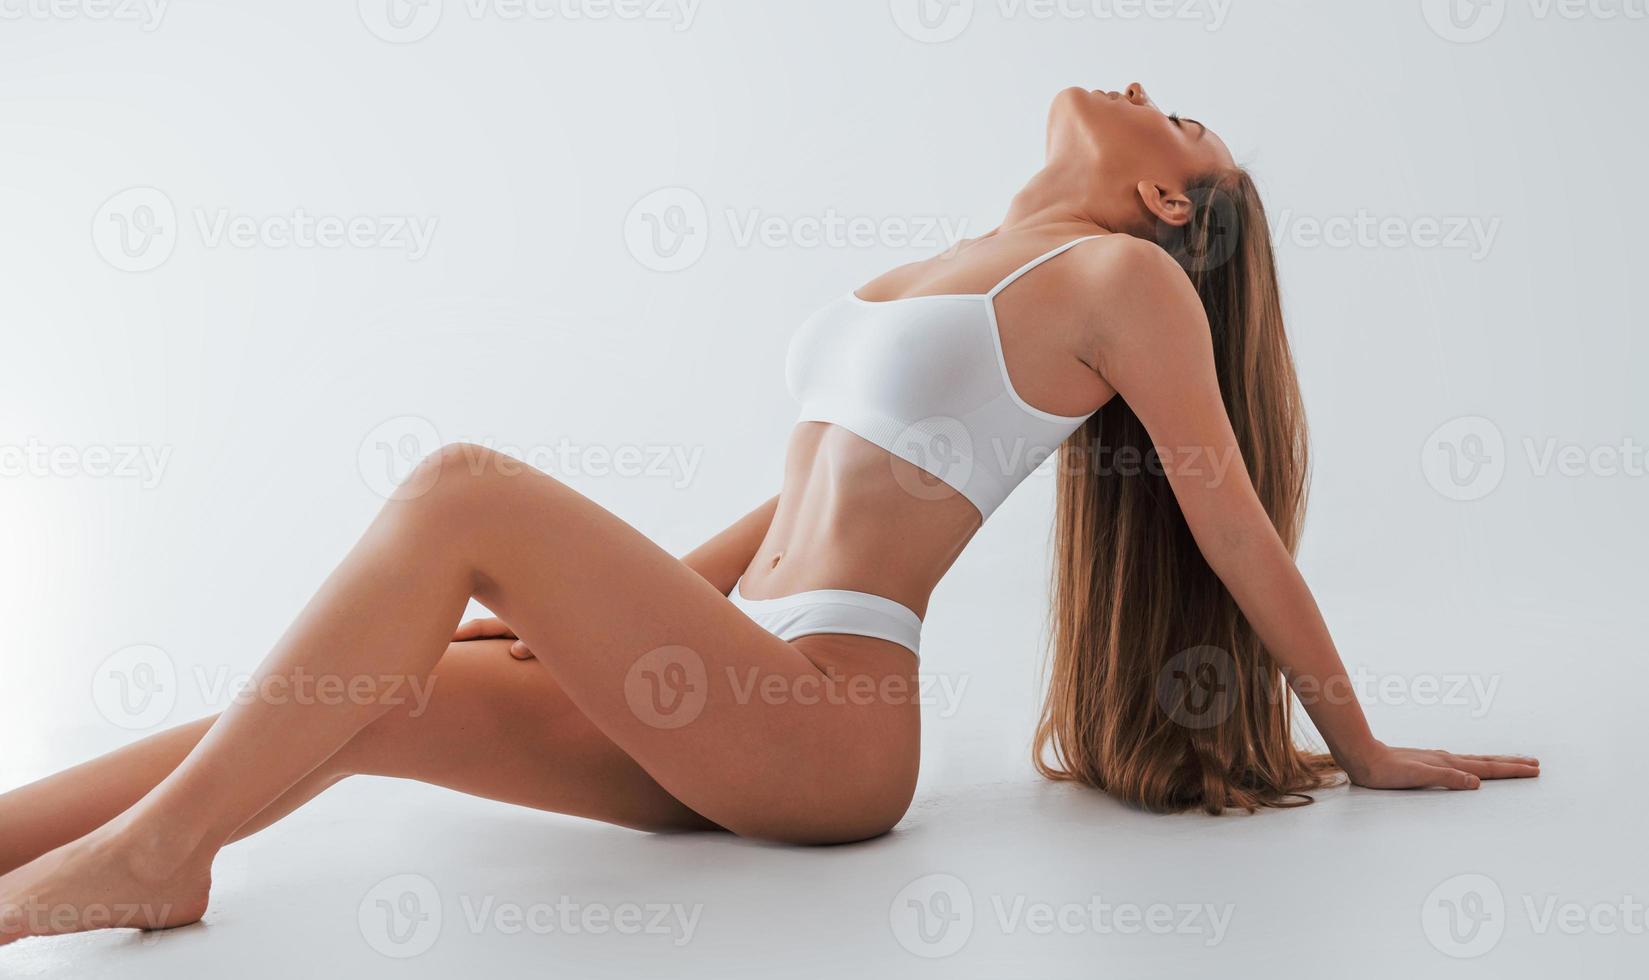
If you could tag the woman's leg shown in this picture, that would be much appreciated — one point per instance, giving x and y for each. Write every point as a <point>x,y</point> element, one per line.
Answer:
<point>607,612</point>
<point>66,806</point>
<point>503,729</point>
<point>493,727</point>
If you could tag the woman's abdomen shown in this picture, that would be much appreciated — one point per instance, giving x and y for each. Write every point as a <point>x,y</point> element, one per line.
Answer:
<point>853,516</point>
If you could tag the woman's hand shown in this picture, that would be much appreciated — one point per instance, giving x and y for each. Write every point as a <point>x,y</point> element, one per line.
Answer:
<point>492,628</point>
<point>1392,768</point>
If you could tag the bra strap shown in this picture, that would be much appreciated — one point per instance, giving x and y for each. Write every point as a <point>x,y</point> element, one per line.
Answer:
<point>1028,266</point>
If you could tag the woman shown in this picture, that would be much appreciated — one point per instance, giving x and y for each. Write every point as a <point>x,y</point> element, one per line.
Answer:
<point>764,685</point>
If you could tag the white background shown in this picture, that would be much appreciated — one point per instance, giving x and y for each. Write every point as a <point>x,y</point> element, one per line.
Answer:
<point>268,376</point>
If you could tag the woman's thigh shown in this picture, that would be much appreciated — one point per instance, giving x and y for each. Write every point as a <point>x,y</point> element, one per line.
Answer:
<point>737,724</point>
<point>490,725</point>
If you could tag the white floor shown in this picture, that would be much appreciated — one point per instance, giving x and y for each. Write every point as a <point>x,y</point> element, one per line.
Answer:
<point>996,873</point>
<point>265,386</point>
<point>1344,887</point>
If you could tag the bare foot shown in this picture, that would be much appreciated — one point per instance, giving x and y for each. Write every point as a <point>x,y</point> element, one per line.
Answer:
<point>102,881</point>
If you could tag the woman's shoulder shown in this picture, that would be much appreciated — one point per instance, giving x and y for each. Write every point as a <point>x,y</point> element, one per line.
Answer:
<point>1127,261</point>
<point>1134,296</point>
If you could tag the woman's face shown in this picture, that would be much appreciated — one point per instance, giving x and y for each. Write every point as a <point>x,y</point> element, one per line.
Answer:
<point>1130,139</point>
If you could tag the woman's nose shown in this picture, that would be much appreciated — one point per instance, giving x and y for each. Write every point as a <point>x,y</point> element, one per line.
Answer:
<point>1135,93</point>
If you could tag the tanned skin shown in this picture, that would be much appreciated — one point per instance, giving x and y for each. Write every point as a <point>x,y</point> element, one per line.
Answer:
<point>532,707</point>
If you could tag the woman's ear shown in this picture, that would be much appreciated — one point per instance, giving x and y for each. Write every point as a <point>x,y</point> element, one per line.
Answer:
<point>1170,207</point>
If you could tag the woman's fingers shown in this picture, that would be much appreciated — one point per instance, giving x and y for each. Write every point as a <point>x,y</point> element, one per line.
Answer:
<point>1421,768</point>
<point>1493,768</point>
<point>472,630</point>
<point>1447,778</point>
<point>1522,760</point>
<point>489,629</point>
<point>481,629</point>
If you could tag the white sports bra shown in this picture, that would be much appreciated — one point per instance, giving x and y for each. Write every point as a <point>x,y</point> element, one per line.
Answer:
<point>924,378</point>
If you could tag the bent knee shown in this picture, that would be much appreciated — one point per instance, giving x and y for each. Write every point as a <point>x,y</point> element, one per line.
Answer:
<point>461,469</point>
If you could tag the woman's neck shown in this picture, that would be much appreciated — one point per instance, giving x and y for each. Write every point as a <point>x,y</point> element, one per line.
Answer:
<point>1058,196</point>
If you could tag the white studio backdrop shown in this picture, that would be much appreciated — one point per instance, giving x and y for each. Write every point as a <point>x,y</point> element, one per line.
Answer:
<point>256,260</point>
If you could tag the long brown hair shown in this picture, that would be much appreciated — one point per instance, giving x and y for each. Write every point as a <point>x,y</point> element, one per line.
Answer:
<point>1160,692</point>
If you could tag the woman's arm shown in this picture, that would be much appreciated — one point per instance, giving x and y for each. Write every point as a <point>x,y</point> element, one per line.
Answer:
<point>1153,346</point>
<point>723,558</point>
